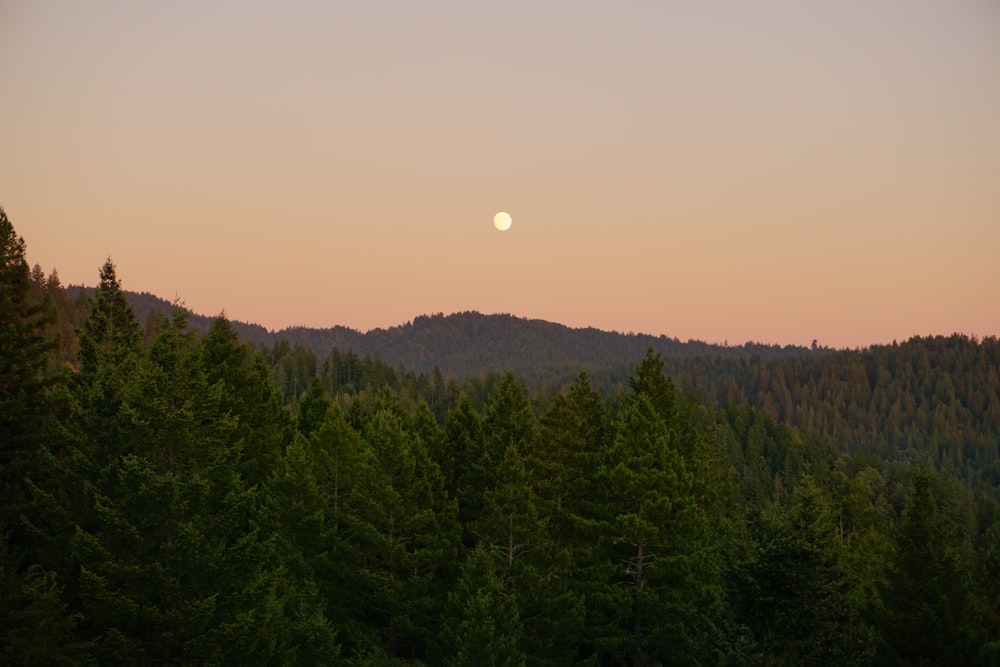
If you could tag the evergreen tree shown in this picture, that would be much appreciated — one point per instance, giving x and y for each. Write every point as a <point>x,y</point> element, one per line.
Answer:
<point>312,408</point>
<point>28,399</point>
<point>561,464</point>
<point>36,626</point>
<point>168,566</point>
<point>929,619</point>
<point>650,380</point>
<point>110,348</point>
<point>459,460</point>
<point>480,627</point>
<point>573,435</point>
<point>263,425</point>
<point>340,460</point>
<point>509,419</point>
<point>791,587</point>
<point>656,527</point>
<point>403,541</point>
<point>294,513</point>
<point>112,330</point>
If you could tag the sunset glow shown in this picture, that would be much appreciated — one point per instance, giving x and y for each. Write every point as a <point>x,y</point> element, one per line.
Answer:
<point>718,171</point>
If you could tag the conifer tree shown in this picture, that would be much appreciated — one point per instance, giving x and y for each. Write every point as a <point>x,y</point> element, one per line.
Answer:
<point>650,380</point>
<point>168,565</point>
<point>480,625</point>
<point>791,586</point>
<point>263,425</point>
<point>402,540</point>
<point>112,330</point>
<point>36,626</point>
<point>459,461</point>
<point>27,399</point>
<point>313,407</point>
<point>110,348</point>
<point>562,464</point>
<point>654,532</point>
<point>929,614</point>
<point>509,418</point>
<point>293,511</point>
<point>574,433</point>
<point>339,460</point>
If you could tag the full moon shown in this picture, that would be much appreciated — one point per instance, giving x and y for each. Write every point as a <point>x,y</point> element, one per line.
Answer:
<point>502,221</point>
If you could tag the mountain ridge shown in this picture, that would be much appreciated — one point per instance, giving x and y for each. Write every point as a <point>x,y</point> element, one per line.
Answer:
<point>470,342</point>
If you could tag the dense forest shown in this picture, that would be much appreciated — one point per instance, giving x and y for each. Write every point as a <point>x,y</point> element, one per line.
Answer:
<point>925,396</point>
<point>174,495</point>
<point>465,344</point>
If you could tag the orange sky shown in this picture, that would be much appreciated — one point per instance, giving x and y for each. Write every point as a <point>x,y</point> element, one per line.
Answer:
<point>776,171</point>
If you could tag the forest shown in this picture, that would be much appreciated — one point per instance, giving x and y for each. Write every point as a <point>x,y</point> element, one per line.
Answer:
<point>181,496</point>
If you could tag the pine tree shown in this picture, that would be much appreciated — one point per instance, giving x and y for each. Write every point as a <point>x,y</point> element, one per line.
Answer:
<point>112,330</point>
<point>110,349</point>
<point>650,380</point>
<point>480,626</point>
<point>263,425</point>
<point>459,461</point>
<point>929,612</point>
<point>27,397</point>
<point>655,531</point>
<point>339,460</point>
<point>791,586</point>
<point>312,408</point>
<point>294,512</point>
<point>561,465</point>
<point>574,433</point>
<point>404,535</point>
<point>36,626</point>
<point>169,566</point>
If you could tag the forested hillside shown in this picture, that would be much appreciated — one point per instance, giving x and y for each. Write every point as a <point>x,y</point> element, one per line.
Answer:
<point>928,395</point>
<point>172,496</point>
<point>935,396</point>
<point>466,344</point>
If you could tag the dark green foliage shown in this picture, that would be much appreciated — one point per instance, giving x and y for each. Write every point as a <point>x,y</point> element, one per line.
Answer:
<point>312,408</point>
<point>650,381</point>
<point>929,616</point>
<point>937,395</point>
<point>263,425</point>
<point>170,509</point>
<point>27,384</point>
<point>111,331</point>
<point>294,512</point>
<point>36,626</point>
<point>934,394</point>
<point>516,523</point>
<point>170,565</point>
<point>459,460</point>
<point>791,587</point>
<point>655,530</point>
<point>480,624</point>
<point>405,530</point>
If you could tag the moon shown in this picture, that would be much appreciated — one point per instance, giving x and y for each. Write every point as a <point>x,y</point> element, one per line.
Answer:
<point>502,221</point>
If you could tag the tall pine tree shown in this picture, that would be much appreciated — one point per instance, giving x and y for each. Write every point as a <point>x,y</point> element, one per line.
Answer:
<point>35,624</point>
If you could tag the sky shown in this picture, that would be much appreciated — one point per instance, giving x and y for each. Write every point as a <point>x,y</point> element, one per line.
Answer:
<point>773,171</point>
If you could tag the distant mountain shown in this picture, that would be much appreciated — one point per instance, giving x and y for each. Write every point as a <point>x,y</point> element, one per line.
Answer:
<point>469,343</point>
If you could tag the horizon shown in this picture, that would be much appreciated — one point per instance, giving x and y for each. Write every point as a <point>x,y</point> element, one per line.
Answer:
<point>410,321</point>
<point>776,174</point>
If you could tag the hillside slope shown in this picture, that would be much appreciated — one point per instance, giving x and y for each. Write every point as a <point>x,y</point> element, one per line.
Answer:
<point>469,343</point>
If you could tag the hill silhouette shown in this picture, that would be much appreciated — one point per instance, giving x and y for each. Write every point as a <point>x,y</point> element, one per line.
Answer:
<point>470,343</point>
